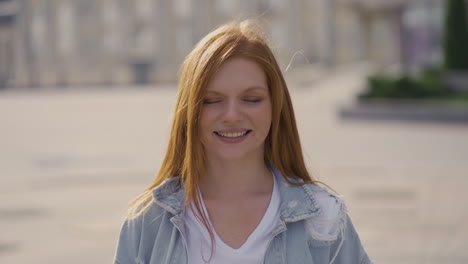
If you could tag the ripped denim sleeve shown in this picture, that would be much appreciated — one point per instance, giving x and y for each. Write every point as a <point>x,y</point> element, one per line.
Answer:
<point>348,247</point>
<point>334,228</point>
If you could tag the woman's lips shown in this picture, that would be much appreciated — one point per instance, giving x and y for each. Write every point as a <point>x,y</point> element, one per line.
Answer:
<point>232,136</point>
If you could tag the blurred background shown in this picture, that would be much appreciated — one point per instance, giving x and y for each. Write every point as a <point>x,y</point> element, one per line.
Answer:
<point>60,43</point>
<point>87,90</point>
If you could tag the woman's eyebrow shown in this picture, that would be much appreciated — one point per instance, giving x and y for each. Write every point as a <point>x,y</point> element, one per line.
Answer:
<point>256,88</point>
<point>251,88</point>
<point>213,92</point>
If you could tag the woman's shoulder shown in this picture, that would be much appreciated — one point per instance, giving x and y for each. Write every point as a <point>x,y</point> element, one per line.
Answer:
<point>325,209</point>
<point>140,229</point>
<point>330,219</point>
<point>332,226</point>
<point>165,198</point>
<point>144,218</point>
<point>330,203</point>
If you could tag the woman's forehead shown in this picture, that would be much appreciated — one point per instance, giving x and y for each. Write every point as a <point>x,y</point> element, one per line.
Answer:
<point>239,73</point>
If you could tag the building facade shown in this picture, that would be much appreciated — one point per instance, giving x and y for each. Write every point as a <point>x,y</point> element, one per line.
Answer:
<point>60,43</point>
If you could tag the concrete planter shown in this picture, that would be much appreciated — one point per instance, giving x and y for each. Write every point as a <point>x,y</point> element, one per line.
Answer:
<point>407,110</point>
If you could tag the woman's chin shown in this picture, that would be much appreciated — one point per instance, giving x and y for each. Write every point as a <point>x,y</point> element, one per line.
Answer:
<point>233,156</point>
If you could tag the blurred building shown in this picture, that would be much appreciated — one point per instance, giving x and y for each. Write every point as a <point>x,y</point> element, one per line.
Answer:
<point>8,12</point>
<point>59,43</point>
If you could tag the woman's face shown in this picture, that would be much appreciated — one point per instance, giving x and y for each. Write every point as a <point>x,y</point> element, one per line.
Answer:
<point>236,114</point>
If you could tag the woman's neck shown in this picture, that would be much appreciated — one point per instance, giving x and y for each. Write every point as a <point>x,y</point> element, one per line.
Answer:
<point>236,177</point>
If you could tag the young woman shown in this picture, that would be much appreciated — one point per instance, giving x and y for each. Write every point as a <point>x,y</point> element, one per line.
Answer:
<point>233,186</point>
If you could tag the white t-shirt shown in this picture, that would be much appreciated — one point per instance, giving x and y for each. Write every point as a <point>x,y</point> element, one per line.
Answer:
<point>251,252</point>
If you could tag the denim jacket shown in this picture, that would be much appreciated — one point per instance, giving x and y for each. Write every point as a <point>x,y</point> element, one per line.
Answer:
<point>313,228</point>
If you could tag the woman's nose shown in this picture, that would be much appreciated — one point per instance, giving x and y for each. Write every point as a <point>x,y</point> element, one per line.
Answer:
<point>232,112</point>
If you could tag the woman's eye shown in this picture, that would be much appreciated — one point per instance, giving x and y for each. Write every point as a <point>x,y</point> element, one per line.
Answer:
<point>211,101</point>
<point>253,100</point>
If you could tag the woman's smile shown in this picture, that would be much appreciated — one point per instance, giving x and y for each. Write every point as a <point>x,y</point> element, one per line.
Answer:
<point>232,136</point>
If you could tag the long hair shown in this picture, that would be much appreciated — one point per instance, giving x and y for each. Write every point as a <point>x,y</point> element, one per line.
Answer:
<point>185,154</point>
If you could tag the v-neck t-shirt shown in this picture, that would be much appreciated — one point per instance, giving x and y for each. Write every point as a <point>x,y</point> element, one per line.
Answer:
<point>251,252</point>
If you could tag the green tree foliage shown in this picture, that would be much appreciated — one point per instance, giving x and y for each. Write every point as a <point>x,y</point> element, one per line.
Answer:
<point>456,35</point>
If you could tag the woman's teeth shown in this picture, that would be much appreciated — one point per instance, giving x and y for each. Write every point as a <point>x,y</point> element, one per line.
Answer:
<point>232,135</point>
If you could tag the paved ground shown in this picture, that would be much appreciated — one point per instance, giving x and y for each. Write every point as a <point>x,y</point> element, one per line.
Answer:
<point>71,160</point>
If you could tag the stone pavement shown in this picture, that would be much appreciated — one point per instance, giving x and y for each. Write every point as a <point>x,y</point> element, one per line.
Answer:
<point>71,160</point>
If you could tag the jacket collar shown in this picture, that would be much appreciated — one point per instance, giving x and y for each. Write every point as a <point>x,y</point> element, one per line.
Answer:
<point>170,195</point>
<point>297,202</point>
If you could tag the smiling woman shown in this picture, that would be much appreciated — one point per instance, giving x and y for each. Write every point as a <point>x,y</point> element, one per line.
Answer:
<point>237,109</point>
<point>233,186</point>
